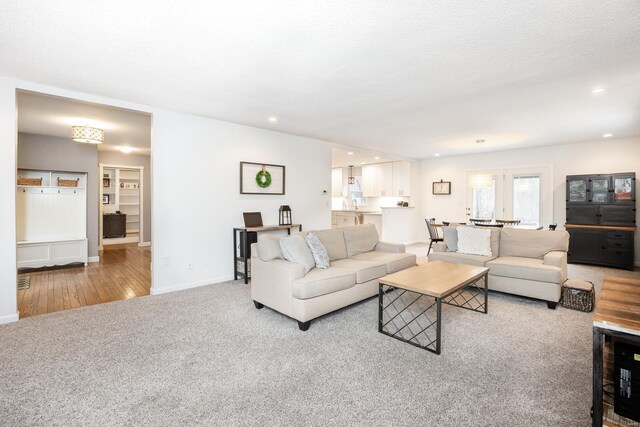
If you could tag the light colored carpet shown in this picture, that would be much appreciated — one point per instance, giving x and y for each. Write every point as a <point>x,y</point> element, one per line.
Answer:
<point>207,356</point>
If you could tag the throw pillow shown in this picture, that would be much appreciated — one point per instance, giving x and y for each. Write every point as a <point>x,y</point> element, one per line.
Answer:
<point>269,247</point>
<point>474,240</point>
<point>450,235</point>
<point>319,252</point>
<point>295,249</point>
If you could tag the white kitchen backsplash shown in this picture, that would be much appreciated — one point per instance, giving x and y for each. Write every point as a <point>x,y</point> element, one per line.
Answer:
<point>338,203</point>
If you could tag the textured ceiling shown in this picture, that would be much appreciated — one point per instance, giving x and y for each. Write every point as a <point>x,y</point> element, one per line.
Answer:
<point>410,78</point>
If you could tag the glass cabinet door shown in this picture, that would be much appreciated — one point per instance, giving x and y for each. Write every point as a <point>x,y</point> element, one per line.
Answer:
<point>600,190</point>
<point>577,190</point>
<point>624,188</point>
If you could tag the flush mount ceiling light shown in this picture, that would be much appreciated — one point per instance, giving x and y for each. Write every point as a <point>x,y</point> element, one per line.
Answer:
<point>87,134</point>
<point>273,119</point>
<point>607,135</point>
<point>437,155</point>
<point>598,90</point>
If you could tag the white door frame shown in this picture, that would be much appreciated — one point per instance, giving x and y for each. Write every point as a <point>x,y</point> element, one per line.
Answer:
<point>140,195</point>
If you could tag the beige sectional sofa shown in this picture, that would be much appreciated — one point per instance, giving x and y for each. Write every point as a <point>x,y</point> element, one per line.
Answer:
<point>531,263</point>
<point>357,261</point>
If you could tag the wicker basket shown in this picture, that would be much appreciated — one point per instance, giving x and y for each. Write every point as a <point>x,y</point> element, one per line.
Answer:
<point>578,295</point>
<point>68,182</point>
<point>29,181</point>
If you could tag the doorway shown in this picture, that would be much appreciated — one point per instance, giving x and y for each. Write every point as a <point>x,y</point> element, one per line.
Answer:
<point>59,196</point>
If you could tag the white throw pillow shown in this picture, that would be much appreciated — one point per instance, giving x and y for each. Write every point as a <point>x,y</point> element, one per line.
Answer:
<point>295,249</point>
<point>319,252</point>
<point>474,240</point>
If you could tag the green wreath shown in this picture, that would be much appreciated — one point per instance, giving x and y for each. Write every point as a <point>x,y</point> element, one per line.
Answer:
<point>263,179</point>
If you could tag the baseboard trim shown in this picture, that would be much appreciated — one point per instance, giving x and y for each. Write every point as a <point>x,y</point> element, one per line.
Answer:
<point>144,244</point>
<point>183,286</point>
<point>94,259</point>
<point>10,318</point>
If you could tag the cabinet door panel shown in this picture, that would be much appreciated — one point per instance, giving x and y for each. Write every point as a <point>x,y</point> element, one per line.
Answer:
<point>368,180</point>
<point>619,257</point>
<point>624,188</point>
<point>619,214</point>
<point>577,189</point>
<point>585,245</point>
<point>582,214</point>
<point>600,186</point>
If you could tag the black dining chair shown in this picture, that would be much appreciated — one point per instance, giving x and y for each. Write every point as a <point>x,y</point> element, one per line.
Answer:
<point>480,220</point>
<point>433,233</point>
<point>508,221</point>
<point>552,227</point>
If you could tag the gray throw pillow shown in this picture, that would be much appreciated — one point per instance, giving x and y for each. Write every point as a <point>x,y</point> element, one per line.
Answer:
<point>319,252</point>
<point>450,235</point>
<point>295,249</point>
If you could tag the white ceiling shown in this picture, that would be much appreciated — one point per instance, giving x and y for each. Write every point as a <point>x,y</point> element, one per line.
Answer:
<point>54,116</point>
<point>411,78</point>
<point>343,156</point>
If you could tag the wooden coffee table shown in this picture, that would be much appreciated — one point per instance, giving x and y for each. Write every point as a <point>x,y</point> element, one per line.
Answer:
<point>410,301</point>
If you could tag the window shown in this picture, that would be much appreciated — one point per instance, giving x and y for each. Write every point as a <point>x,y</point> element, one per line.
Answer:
<point>526,199</point>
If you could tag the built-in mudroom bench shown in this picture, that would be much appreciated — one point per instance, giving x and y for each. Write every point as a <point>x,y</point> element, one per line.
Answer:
<point>51,218</point>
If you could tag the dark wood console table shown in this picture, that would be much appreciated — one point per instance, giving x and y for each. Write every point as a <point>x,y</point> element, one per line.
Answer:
<point>617,315</point>
<point>241,267</point>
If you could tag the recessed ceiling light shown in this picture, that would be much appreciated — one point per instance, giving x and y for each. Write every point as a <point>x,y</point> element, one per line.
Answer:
<point>598,90</point>
<point>350,153</point>
<point>363,163</point>
<point>273,119</point>
<point>377,157</point>
<point>125,150</point>
<point>607,135</point>
<point>437,155</point>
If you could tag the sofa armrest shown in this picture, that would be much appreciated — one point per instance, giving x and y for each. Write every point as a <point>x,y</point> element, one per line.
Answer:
<point>390,247</point>
<point>557,259</point>
<point>272,283</point>
<point>439,247</point>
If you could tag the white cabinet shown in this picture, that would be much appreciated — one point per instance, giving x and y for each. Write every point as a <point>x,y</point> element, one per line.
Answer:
<point>386,179</point>
<point>51,218</point>
<point>369,181</point>
<point>401,179</point>
<point>336,182</point>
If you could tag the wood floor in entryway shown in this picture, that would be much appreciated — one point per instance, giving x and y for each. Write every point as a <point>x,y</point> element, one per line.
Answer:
<point>124,272</point>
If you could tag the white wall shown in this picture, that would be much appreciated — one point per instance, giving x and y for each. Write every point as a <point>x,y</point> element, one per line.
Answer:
<point>195,201</point>
<point>604,156</point>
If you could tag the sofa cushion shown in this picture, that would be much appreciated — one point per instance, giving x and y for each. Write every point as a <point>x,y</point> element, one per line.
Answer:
<point>333,241</point>
<point>475,241</point>
<point>319,252</point>
<point>295,249</point>
<point>365,270</point>
<point>360,238</point>
<point>394,261</point>
<point>269,247</point>
<point>495,241</point>
<point>321,282</point>
<point>460,258</point>
<point>532,243</point>
<point>524,268</point>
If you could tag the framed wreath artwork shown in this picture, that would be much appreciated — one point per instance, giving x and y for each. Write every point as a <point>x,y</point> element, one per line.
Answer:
<point>261,178</point>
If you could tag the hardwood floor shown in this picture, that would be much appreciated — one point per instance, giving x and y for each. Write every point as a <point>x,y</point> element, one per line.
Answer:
<point>124,272</point>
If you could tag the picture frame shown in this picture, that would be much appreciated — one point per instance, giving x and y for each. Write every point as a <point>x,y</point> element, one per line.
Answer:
<point>106,182</point>
<point>441,188</point>
<point>262,178</point>
<point>105,199</point>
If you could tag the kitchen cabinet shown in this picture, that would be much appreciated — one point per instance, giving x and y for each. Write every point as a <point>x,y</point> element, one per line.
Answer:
<point>337,178</point>
<point>383,179</point>
<point>369,180</point>
<point>401,179</point>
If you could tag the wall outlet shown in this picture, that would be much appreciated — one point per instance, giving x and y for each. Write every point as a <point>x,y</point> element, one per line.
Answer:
<point>190,266</point>
<point>166,261</point>
<point>324,192</point>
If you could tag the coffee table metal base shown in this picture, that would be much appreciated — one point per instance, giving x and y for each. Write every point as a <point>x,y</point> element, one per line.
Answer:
<point>416,318</point>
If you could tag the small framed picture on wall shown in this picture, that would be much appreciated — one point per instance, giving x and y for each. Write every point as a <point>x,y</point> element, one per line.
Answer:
<point>106,182</point>
<point>442,187</point>
<point>105,199</point>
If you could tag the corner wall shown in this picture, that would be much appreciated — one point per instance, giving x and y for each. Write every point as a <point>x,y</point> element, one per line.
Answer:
<point>604,156</point>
